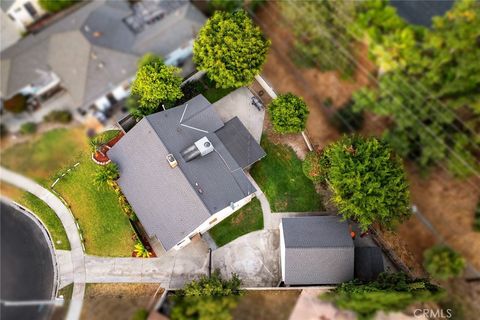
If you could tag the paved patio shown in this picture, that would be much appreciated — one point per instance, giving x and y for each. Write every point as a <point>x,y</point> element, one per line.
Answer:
<point>254,257</point>
<point>238,103</point>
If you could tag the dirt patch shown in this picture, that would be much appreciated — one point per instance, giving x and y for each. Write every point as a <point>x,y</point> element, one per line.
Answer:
<point>266,305</point>
<point>116,301</point>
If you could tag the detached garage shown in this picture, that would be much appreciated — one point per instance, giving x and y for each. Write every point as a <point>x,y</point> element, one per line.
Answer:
<point>316,250</point>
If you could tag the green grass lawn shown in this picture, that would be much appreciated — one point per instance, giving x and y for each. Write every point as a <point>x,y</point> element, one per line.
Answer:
<point>214,94</point>
<point>104,225</point>
<point>42,157</point>
<point>281,178</point>
<point>42,211</point>
<point>247,219</point>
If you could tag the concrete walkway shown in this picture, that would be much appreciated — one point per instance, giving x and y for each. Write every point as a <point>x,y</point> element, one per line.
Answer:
<point>63,213</point>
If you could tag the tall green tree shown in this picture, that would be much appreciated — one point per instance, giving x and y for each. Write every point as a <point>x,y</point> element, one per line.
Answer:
<point>288,113</point>
<point>207,298</point>
<point>155,83</point>
<point>231,49</point>
<point>443,263</point>
<point>390,292</point>
<point>431,89</point>
<point>367,180</point>
<point>320,33</point>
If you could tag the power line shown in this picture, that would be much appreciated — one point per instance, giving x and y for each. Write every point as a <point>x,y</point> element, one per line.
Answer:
<point>413,116</point>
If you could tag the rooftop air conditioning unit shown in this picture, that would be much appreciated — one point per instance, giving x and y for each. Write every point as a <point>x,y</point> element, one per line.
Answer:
<point>201,147</point>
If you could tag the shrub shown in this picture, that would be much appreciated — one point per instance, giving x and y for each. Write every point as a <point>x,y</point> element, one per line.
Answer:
<point>16,104</point>
<point>311,167</point>
<point>56,5</point>
<point>367,180</point>
<point>231,49</point>
<point>140,250</point>
<point>106,173</point>
<point>207,298</point>
<point>190,90</point>
<point>28,128</point>
<point>443,263</point>
<point>60,116</point>
<point>288,113</point>
<point>390,292</point>
<point>102,138</point>
<point>346,119</point>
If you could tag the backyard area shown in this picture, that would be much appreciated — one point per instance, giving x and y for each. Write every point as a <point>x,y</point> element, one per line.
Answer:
<point>247,219</point>
<point>266,305</point>
<point>103,224</point>
<point>42,211</point>
<point>281,178</point>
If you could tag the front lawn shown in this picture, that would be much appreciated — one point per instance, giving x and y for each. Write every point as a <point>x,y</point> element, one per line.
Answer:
<point>48,217</point>
<point>281,178</point>
<point>42,157</point>
<point>247,219</point>
<point>104,226</point>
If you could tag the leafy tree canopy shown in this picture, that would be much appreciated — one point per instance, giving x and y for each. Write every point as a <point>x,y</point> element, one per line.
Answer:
<point>319,33</point>
<point>390,292</point>
<point>443,263</point>
<point>367,180</point>
<point>155,83</point>
<point>207,298</point>
<point>231,49</point>
<point>431,89</point>
<point>288,113</point>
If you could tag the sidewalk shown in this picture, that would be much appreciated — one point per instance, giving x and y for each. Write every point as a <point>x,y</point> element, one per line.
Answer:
<point>63,213</point>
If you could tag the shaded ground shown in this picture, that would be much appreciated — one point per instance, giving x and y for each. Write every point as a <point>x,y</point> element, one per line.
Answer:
<point>26,266</point>
<point>266,305</point>
<point>116,301</point>
<point>247,219</point>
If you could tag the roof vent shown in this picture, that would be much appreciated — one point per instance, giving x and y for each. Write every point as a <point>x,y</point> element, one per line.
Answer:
<point>201,147</point>
<point>171,160</point>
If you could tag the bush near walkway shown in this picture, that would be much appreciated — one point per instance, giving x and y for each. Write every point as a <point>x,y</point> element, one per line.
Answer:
<point>246,220</point>
<point>280,176</point>
<point>288,113</point>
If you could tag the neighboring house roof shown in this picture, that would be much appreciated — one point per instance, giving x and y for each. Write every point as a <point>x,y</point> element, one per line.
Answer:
<point>93,50</point>
<point>318,250</point>
<point>240,143</point>
<point>421,12</point>
<point>172,202</point>
<point>368,263</point>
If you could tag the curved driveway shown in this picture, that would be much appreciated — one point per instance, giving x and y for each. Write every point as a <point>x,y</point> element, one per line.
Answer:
<point>63,213</point>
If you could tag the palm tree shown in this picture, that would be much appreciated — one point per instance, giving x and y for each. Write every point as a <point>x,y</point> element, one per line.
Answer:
<point>106,174</point>
<point>141,251</point>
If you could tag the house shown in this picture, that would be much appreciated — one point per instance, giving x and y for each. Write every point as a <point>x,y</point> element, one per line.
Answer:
<point>92,53</point>
<point>183,170</point>
<point>316,250</point>
<point>22,12</point>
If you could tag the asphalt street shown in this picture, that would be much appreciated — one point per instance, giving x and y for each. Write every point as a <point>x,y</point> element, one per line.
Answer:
<point>26,266</point>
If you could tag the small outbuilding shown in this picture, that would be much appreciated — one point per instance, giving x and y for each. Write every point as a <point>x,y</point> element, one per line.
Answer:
<point>316,250</point>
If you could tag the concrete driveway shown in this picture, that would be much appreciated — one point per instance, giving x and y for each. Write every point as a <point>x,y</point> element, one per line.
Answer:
<point>255,257</point>
<point>238,103</point>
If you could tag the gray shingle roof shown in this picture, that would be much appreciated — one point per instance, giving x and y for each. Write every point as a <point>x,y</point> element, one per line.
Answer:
<point>368,263</point>
<point>105,40</point>
<point>240,143</point>
<point>318,250</point>
<point>168,201</point>
<point>421,12</point>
